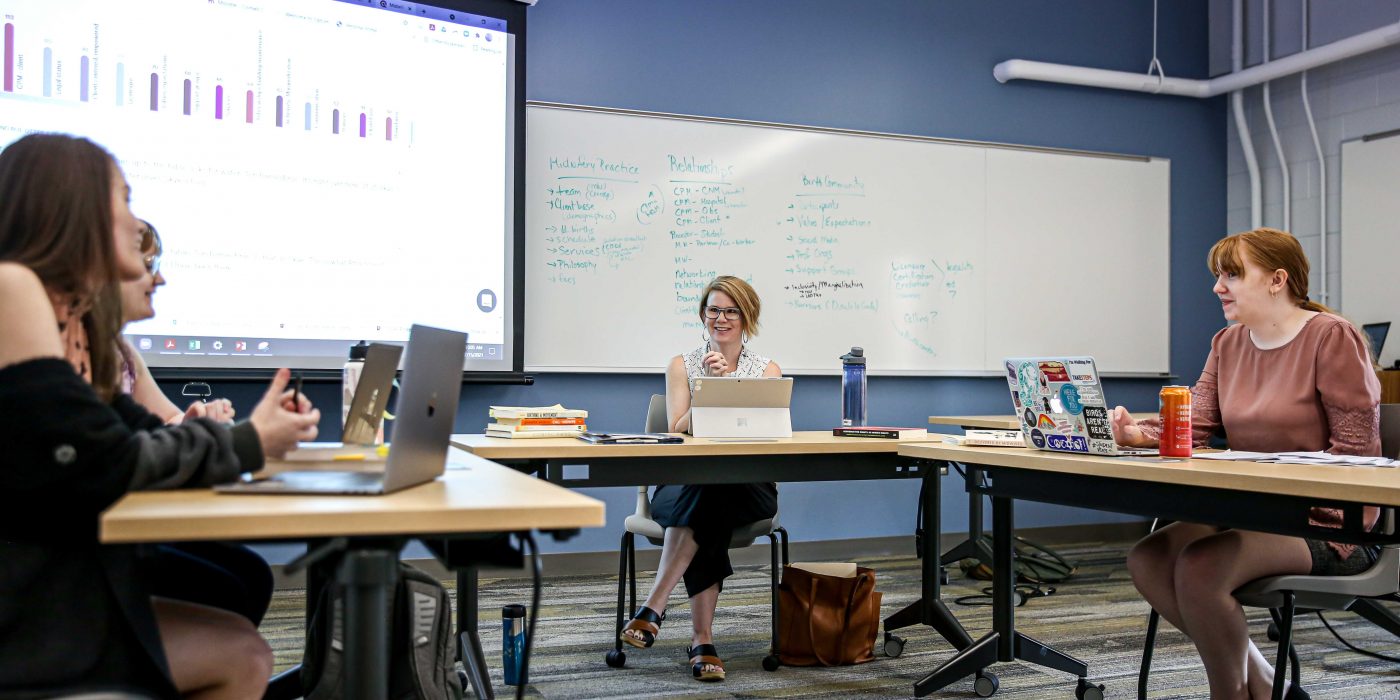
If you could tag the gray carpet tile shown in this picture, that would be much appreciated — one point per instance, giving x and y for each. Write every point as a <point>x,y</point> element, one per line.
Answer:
<point>1097,616</point>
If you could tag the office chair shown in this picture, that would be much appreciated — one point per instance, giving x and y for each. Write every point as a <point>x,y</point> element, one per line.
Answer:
<point>1285,596</point>
<point>641,523</point>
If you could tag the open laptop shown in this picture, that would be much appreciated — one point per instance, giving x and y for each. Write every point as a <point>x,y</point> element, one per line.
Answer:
<point>1377,333</point>
<point>367,406</point>
<point>737,408</point>
<point>1061,405</point>
<point>427,409</point>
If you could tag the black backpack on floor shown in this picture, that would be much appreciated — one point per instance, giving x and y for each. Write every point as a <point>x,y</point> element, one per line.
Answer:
<point>420,643</point>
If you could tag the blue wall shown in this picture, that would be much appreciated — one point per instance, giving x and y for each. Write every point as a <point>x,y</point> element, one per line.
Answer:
<point>905,66</point>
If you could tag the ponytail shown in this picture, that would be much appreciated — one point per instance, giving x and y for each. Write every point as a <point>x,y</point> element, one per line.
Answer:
<point>1309,305</point>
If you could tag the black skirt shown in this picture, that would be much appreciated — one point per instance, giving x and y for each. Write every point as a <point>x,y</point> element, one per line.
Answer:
<point>712,511</point>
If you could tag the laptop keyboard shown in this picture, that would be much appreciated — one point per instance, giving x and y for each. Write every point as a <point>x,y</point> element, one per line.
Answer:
<point>332,482</point>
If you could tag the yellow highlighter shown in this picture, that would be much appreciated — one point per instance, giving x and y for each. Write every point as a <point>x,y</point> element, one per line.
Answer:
<point>348,458</point>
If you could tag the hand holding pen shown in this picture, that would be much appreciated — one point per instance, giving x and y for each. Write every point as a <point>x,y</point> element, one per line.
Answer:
<point>284,416</point>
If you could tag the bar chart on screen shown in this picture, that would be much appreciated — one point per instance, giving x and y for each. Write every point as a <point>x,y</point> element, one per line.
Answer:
<point>317,142</point>
<point>265,71</point>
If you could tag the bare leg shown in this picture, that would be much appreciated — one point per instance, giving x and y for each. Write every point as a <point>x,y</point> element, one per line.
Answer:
<point>1207,571</point>
<point>1152,563</point>
<point>677,549</point>
<point>214,654</point>
<point>702,619</point>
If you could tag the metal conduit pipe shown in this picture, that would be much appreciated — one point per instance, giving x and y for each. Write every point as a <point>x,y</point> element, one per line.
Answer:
<point>1273,128</point>
<point>1366,42</point>
<point>1256,205</point>
<point>1321,168</point>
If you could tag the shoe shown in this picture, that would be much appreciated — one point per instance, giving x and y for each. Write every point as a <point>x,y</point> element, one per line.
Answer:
<point>645,623</point>
<point>702,655</point>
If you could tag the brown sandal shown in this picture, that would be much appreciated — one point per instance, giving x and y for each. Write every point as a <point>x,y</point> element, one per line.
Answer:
<point>647,623</point>
<point>702,655</point>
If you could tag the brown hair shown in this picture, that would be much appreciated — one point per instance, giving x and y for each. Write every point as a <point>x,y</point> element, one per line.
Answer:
<point>1270,249</point>
<point>742,294</point>
<point>56,219</point>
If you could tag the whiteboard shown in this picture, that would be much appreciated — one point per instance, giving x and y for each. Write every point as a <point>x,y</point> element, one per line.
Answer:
<point>1371,236</point>
<point>936,256</point>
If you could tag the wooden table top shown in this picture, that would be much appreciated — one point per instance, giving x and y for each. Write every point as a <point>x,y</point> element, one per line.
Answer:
<point>1006,422</point>
<point>1370,485</point>
<point>475,495</point>
<point>801,442</point>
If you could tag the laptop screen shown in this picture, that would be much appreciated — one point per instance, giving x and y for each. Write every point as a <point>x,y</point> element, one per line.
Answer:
<point>1376,333</point>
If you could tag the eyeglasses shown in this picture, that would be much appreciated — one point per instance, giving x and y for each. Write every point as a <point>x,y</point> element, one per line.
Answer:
<point>152,264</point>
<point>730,314</point>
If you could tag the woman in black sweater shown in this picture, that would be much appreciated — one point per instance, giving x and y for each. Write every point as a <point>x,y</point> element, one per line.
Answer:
<point>74,614</point>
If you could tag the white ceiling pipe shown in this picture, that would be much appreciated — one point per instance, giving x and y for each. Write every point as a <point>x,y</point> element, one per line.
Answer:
<point>1256,198</point>
<point>1273,127</point>
<point>1021,69</point>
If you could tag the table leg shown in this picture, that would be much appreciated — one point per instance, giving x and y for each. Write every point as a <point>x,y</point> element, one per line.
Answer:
<point>369,576</point>
<point>473,657</point>
<point>972,547</point>
<point>929,608</point>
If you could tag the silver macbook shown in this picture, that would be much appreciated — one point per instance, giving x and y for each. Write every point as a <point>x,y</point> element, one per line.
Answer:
<point>426,411</point>
<point>731,407</point>
<point>1061,406</point>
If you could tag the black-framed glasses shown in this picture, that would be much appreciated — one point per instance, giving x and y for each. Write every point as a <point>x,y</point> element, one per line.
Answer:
<point>730,314</point>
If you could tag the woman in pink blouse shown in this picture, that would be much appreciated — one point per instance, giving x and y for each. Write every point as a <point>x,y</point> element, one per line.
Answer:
<point>1289,375</point>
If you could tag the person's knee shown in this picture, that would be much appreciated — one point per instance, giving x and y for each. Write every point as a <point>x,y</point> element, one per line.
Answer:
<point>1149,562</point>
<point>1200,571</point>
<point>252,660</point>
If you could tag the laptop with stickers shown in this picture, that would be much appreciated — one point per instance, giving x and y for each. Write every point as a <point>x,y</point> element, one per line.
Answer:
<point>1061,406</point>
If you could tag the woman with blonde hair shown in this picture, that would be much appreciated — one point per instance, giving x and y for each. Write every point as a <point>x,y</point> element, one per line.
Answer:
<point>1288,375</point>
<point>699,518</point>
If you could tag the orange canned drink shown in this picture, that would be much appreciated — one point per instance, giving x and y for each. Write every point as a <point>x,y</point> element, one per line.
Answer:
<point>1176,421</point>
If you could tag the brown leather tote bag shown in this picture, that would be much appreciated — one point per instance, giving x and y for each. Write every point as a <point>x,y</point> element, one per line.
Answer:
<point>827,620</point>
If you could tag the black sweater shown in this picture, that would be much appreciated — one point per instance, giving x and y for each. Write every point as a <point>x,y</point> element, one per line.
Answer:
<point>73,613</point>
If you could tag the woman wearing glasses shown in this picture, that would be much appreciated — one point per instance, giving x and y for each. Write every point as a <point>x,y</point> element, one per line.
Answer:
<point>137,301</point>
<point>699,519</point>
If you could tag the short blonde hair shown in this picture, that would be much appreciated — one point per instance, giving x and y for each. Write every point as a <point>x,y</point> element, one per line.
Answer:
<point>741,292</point>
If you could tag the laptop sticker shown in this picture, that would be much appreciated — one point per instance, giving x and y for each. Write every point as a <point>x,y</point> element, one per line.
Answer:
<point>1045,423</point>
<point>1068,443</point>
<point>1054,371</point>
<point>1097,423</point>
<point>1069,398</point>
<point>1038,439</point>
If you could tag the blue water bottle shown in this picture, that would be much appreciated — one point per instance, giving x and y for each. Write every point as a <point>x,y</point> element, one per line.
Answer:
<point>853,388</point>
<point>513,643</point>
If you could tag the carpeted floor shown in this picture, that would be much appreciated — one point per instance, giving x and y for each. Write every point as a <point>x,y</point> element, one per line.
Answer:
<point>1097,617</point>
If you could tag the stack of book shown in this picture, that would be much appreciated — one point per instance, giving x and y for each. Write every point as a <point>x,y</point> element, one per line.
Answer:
<point>536,422</point>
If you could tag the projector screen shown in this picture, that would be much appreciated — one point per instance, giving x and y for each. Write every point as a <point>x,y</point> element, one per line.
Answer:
<point>320,171</point>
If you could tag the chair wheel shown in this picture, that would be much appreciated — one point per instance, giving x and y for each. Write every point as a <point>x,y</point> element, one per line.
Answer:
<point>617,658</point>
<point>986,684</point>
<point>894,645</point>
<point>1088,691</point>
<point>771,663</point>
<point>1273,632</point>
